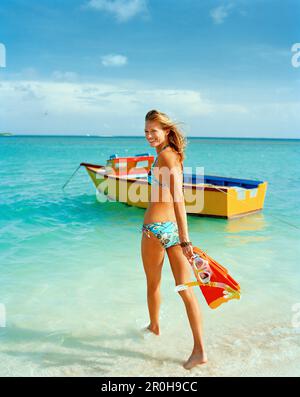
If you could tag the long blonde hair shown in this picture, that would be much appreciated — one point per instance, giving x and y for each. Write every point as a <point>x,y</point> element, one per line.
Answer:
<point>175,138</point>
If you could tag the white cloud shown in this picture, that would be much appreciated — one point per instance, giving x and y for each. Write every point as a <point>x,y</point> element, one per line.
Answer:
<point>220,13</point>
<point>122,10</point>
<point>114,60</point>
<point>57,107</point>
<point>76,106</point>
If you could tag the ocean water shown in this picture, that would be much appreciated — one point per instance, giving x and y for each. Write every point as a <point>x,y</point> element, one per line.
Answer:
<point>72,283</point>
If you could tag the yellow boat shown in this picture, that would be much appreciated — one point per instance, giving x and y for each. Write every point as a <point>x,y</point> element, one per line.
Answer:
<point>124,179</point>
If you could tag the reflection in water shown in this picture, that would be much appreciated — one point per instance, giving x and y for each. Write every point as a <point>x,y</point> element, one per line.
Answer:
<point>239,240</point>
<point>252,222</point>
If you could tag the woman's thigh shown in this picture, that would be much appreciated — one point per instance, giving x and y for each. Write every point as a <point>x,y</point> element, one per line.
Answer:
<point>180,266</point>
<point>153,255</point>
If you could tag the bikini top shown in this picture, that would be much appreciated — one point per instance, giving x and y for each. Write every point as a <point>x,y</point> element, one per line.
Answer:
<point>151,178</point>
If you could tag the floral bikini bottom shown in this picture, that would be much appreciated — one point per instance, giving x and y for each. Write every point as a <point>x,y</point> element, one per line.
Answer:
<point>166,232</point>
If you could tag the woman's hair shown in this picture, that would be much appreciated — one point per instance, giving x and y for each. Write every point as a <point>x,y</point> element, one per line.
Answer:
<point>176,138</point>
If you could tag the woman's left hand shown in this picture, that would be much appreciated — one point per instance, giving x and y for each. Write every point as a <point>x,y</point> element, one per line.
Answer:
<point>188,252</point>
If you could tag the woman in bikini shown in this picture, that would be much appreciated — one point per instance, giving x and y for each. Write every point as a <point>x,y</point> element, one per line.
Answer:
<point>165,227</point>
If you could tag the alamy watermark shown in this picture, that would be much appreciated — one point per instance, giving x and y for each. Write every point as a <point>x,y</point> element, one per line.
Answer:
<point>135,191</point>
<point>2,56</point>
<point>295,60</point>
<point>2,315</point>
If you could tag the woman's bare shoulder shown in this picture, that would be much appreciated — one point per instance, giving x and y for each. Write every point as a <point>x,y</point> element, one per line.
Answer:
<point>170,158</point>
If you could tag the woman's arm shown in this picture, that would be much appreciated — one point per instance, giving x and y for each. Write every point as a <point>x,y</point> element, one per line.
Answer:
<point>172,166</point>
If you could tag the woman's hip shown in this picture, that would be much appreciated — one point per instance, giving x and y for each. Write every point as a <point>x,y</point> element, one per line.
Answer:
<point>166,232</point>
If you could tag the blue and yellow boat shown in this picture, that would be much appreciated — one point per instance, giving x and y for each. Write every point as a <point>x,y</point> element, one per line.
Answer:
<point>124,179</point>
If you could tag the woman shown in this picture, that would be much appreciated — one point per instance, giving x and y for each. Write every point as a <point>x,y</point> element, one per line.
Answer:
<point>165,227</point>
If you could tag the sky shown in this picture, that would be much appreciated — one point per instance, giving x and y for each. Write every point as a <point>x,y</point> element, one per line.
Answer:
<point>221,68</point>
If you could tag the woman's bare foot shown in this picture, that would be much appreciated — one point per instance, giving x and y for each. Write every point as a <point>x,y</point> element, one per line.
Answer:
<point>154,329</point>
<point>195,359</point>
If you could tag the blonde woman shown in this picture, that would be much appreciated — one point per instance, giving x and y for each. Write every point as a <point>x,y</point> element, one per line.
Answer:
<point>165,227</point>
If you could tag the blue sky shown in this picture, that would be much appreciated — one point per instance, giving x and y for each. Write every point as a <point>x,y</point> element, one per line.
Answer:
<point>223,68</point>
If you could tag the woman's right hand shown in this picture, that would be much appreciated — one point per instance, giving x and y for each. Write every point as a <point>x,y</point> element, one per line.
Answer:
<point>188,253</point>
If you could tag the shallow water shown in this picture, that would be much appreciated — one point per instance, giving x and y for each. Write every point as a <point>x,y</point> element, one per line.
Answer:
<point>72,279</point>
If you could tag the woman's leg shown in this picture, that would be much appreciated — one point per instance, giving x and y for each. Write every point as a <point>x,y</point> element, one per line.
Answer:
<point>182,272</point>
<point>153,258</point>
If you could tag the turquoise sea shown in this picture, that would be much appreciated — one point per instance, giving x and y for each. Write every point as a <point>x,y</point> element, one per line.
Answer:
<point>72,284</point>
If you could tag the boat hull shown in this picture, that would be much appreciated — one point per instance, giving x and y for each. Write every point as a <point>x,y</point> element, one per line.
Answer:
<point>202,199</point>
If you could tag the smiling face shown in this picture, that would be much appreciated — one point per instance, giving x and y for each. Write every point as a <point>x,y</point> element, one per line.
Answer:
<point>155,134</point>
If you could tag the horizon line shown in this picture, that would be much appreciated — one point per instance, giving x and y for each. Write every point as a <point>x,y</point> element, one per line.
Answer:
<point>137,136</point>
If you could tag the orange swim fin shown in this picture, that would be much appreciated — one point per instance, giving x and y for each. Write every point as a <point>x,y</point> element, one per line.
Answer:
<point>218,287</point>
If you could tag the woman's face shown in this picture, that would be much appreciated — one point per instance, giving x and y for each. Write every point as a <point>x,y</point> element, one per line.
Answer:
<point>155,134</point>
